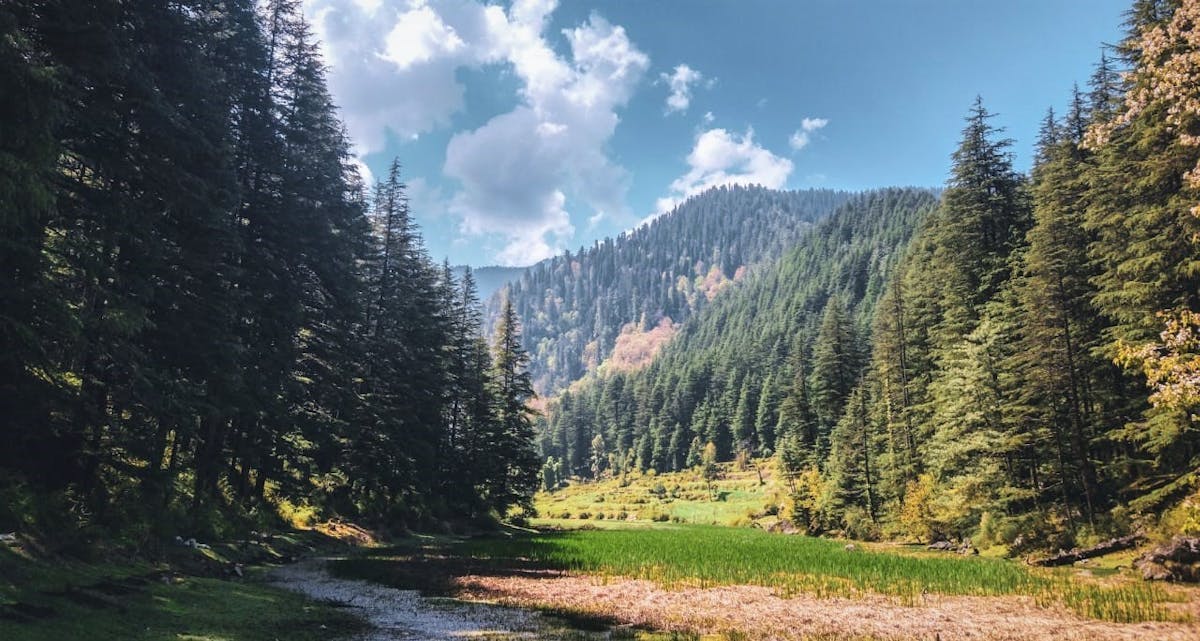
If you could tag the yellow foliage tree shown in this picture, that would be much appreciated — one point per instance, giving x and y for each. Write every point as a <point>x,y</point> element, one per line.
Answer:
<point>1172,365</point>
<point>916,512</point>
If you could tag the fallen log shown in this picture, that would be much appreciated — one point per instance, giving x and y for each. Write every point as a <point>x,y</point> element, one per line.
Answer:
<point>1079,554</point>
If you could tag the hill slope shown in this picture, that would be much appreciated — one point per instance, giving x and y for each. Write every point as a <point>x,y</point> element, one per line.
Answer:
<point>725,376</point>
<point>575,306</point>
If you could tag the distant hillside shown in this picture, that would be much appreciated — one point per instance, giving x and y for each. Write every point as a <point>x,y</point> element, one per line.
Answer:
<point>725,376</point>
<point>490,279</point>
<point>575,307</point>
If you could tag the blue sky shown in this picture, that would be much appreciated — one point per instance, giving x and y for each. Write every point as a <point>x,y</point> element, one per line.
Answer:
<point>529,127</point>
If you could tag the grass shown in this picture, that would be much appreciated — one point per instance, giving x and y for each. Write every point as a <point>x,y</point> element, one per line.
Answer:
<point>56,598</point>
<point>701,556</point>
<point>195,609</point>
<point>680,497</point>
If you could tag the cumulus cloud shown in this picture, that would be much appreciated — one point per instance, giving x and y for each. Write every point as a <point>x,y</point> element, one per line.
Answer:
<point>802,136</point>
<point>680,83</point>
<point>419,36</point>
<point>394,65</point>
<point>721,157</point>
<point>514,168</point>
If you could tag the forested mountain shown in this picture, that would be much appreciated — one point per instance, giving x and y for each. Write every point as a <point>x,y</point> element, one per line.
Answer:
<point>726,374</point>
<point>204,317</point>
<point>577,306</point>
<point>1025,372</point>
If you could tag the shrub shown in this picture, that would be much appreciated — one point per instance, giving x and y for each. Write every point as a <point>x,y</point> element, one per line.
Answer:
<point>857,524</point>
<point>1183,518</point>
<point>989,530</point>
<point>299,516</point>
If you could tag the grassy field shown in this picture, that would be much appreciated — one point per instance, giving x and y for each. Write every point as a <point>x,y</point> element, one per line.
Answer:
<point>703,556</point>
<point>58,598</point>
<point>736,499</point>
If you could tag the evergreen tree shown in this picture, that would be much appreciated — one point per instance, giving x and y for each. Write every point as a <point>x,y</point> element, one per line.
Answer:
<point>514,444</point>
<point>835,368</point>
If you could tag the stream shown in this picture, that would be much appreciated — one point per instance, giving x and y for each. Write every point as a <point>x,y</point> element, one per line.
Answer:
<point>396,615</point>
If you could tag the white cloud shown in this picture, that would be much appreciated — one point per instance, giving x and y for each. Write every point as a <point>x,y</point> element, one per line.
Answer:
<point>393,69</point>
<point>419,36</point>
<point>802,136</point>
<point>392,63</point>
<point>709,117</point>
<point>813,124</point>
<point>720,157</point>
<point>680,82</point>
<point>517,169</point>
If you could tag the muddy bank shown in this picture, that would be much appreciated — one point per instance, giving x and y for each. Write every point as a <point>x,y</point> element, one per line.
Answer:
<point>395,614</point>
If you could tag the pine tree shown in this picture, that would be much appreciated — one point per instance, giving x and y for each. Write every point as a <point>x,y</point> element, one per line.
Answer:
<point>835,368</point>
<point>514,417</point>
<point>852,470</point>
<point>982,219</point>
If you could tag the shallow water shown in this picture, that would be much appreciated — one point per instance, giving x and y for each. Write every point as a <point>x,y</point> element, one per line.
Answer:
<point>406,615</point>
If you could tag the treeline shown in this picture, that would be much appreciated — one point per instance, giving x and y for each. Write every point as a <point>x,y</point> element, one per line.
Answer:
<point>1028,375</point>
<point>574,306</point>
<point>726,377</point>
<point>204,313</point>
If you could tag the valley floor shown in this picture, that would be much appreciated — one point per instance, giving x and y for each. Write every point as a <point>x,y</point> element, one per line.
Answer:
<point>575,574</point>
<point>643,582</point>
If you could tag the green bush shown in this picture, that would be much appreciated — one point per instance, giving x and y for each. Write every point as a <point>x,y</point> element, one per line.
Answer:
<point>857,524</point>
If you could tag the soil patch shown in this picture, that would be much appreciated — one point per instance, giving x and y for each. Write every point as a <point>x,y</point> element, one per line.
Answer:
<point>760,614</point>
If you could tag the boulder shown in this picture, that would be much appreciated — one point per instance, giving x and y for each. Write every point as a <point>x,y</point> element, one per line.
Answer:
<point>783,526</point>
<point>942,546</point>
<point>1178,560</point>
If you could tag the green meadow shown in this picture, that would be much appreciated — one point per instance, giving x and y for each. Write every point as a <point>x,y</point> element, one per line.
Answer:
<point>704,556</point>
<point>737,498</point>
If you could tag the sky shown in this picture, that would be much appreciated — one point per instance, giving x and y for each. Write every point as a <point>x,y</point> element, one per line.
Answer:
<point>529,127</point>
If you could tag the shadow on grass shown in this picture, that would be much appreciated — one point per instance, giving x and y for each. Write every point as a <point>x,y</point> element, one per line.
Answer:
<point>432,567</point>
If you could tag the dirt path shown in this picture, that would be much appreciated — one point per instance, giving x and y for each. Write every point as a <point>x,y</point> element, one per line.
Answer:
<point>404,614</point>
<point>759,614</point>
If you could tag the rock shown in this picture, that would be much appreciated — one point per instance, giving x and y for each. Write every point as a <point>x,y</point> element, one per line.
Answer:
<point>783,526</point>
<point>941,546</point>
<point>1178,560</point>
<point>9,538</point>
<point>850,547</point>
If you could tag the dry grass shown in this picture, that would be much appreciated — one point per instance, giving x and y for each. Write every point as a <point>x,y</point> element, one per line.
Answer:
<point>759,613</point>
